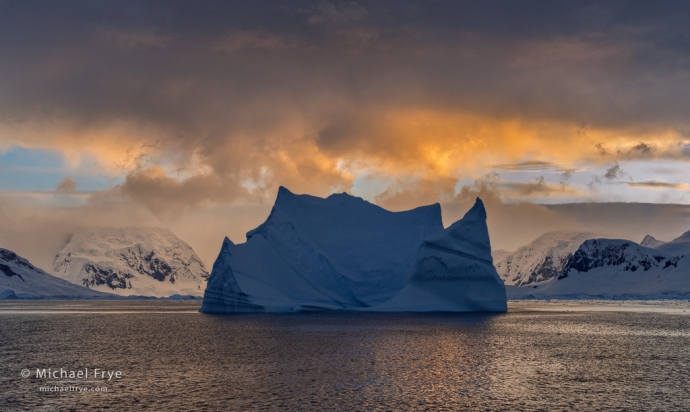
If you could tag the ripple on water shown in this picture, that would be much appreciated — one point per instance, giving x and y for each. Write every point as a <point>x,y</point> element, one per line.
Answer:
<point>173,358</point>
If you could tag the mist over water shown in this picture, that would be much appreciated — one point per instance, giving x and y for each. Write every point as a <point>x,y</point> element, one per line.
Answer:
<point>173,358</point>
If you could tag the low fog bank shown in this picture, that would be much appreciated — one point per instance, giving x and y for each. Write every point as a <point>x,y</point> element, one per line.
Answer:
<point>37,232</point>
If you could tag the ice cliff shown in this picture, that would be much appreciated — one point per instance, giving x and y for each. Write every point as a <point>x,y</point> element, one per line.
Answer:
<point>343,253</point>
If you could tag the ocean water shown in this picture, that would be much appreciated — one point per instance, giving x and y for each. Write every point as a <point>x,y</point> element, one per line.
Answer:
<point>539,356</point>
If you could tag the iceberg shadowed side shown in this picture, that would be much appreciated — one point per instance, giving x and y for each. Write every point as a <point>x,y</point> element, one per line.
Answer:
<point>454,271</point>
<point>337,253</point>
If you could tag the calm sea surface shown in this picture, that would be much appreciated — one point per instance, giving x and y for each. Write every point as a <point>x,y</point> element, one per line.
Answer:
<point>539,356</point>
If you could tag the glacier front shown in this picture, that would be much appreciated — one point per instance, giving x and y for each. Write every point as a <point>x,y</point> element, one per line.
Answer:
<point>344,253</point>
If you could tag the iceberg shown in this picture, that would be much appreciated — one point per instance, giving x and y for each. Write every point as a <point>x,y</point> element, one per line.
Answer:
<point>344,253</point>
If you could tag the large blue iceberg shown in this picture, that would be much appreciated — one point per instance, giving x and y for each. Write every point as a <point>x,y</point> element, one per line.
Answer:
<point>344,253</point>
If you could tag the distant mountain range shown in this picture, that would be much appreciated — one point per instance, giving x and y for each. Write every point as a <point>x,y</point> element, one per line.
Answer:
<point>562,263</point>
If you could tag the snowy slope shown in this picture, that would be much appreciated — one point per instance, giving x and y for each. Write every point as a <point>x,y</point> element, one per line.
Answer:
<point>678,246</point>
<point>651,242</point>
<point>616,267</point>
<point>500,254</point>
<point>320,254</point>
<point>542,259</point>
<point>454,271</point>
<point>19,277</point>
<point>131,261</point>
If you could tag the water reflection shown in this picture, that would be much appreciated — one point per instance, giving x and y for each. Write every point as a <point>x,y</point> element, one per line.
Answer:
<point>176,359</point>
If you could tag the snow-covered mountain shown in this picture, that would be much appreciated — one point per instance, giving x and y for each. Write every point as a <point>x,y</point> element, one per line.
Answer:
<point>500,254</point>
<point>542,259</point>
<point>616,267</point>
<point>651,242</point>
<point>678,246</point>
<point>131,261</point>
<point>19,278</point>
<point>616,254</point>
<point>345,253</point>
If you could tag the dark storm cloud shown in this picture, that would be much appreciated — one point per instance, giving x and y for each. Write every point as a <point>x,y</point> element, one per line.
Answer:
<point>614,172</point>
<point>623,60</point>
<point>654,184</point>
<point>263,93</point>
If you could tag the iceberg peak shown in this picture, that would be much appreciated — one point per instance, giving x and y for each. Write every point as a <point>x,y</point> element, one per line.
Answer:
<point>468,235</point>
<point>454,271</point>
<point>477,211</point>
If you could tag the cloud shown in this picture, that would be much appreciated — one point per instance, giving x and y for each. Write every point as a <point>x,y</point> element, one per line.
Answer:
<point>200,111</point>
<point>566,175</point>
<point>241,39</point>
<point>37,231</point>
<point>536,188</point>
<point>642,150</point>
<point>528,166</point>
<point>511,224</point>
<point>134,39</point>
<point>392,90</point>
<point>601,151</point>
<point>685,149</point>
<point>66,186</point>
<point>169,197</point>
<point>406,195</point>
<point>655,184</point>
<point>341,12</point>
<point>614,172</point>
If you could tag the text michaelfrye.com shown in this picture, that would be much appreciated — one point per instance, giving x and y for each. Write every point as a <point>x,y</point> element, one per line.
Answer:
<point>64,380</point>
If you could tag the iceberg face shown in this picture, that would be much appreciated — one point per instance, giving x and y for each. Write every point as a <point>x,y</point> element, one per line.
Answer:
<point>454,271</point>
<point>338,253</point>
<point>20,279</point>
<point>131,261</point>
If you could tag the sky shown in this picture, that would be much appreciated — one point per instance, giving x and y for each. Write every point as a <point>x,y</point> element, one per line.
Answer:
<point>190,115</point>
